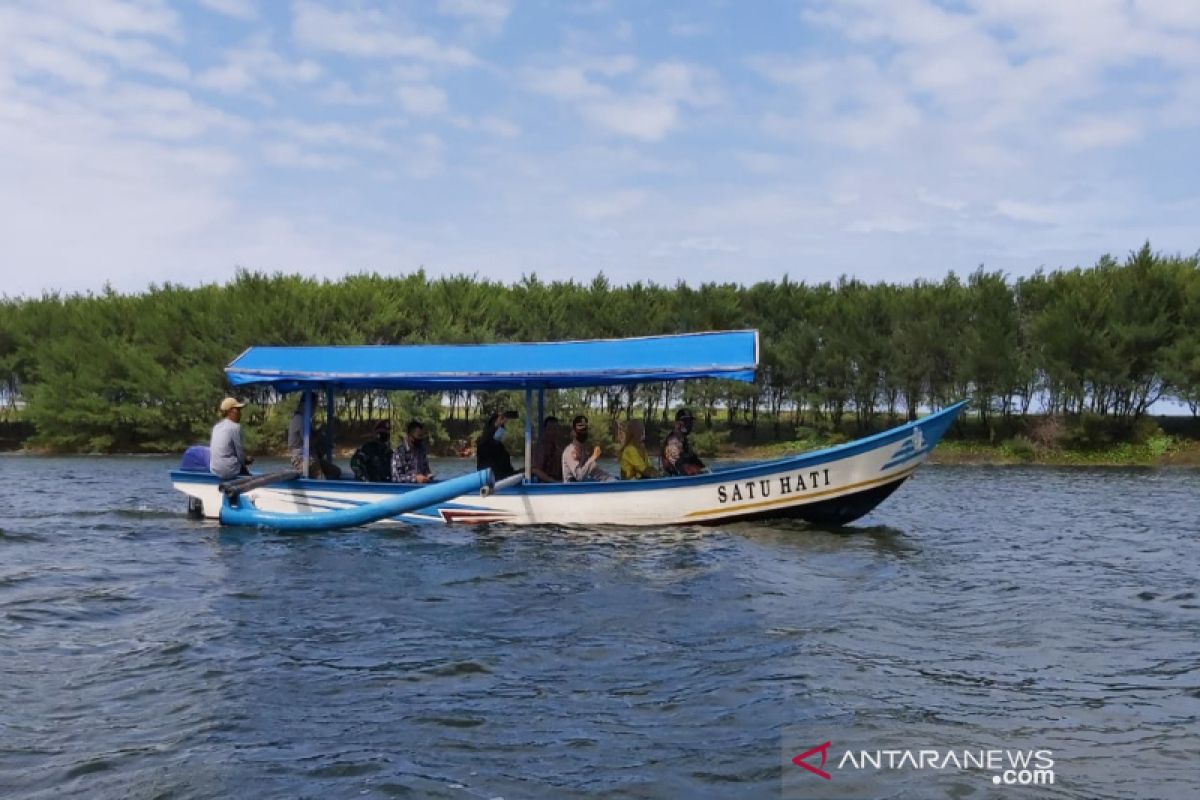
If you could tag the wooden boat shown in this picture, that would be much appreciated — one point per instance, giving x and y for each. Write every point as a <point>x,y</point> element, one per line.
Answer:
<point>835,485</point>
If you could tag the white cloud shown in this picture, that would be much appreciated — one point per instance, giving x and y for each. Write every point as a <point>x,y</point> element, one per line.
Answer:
<point>692,245</point>
<point>499,126</point>
<point>238,9</point>
<point>610,205</point>
<point>647,118</point>
<point>421,100</point>
<point>290,154</point>
<point>343,94</point>
<point>898,139</point>
<point>938,201</point>
<point>995,69</point>
<point>565,83</point>
<point>254,63</point>
<point>648,108</point>
<point>847,101</point>
<point>82,202</point>
<point>426,157</point>
<point>487,16</point>
<point>688,30</point>
<point>886,223</point>
<point>763,163</point>
<point>369,34</point>
<point>1037,213</point>
<point>117,17</point>
<point>336,134</point>
<point>1100,132</point>
<point>82,43</point>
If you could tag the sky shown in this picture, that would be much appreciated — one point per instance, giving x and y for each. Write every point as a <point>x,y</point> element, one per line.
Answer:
<point>145,142</point>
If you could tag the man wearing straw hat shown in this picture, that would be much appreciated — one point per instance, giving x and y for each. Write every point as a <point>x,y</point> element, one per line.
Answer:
<point>227,458</point>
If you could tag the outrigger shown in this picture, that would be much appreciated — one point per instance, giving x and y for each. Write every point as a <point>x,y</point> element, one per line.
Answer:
<point>835,485</point>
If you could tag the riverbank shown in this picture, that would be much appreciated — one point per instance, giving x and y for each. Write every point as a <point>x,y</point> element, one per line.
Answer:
<point>1175,453</point>
<point>1159,451</point>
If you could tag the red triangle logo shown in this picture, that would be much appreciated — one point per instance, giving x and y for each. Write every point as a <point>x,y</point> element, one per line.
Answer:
<point>823,749</point>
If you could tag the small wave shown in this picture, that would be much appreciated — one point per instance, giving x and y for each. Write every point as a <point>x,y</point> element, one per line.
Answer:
<point>19,536</point>
<point>346,769</point>
<point>458,668</point>
<point>89,768</point>
<point>453,722</point>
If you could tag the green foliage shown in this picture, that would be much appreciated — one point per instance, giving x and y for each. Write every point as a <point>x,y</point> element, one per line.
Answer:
<point>710,443</point>
<point>1096,347</point>
<point>1020,449</point>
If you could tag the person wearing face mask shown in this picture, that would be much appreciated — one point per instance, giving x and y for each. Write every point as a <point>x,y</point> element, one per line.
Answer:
<point>373,461</point>
<point>577,464</point>
<point>678,457</point>
<point>410,463</point>
<point>490,451</point>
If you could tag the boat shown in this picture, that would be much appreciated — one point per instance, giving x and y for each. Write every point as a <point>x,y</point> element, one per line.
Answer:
<point>830,486</point>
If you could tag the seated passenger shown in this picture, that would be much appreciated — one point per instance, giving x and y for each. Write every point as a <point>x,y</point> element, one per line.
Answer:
<point>373,460</point>
<point>678,458</point>
<point>410,464</point>
<point>320,463</point>
<point>227,457</point>
<point>576,464</point>
<point>547,455</point>
<point>635,463</point>
<point>295,437</point>
<point>490,452</point>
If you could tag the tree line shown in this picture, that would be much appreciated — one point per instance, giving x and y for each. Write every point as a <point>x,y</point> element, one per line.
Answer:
<point>113,372</point>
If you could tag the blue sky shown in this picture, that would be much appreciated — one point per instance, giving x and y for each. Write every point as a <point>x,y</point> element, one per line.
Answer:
<point>144,141</point>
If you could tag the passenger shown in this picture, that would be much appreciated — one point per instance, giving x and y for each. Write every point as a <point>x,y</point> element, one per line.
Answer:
<point>227,457</point>
<point>490,451</point>
<point>295,438</point>
<point>635,463</point>
<point>576,465</point>
<point>410,464</point>
<point>547,455</point>
<point>320,465</point>
<point>372,461</point>
<point>678,458</point>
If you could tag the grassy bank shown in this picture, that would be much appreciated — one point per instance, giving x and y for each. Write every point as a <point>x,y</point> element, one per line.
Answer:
<point>1162,441</point>
<point>1164,451</point>
<point>1158,451</point>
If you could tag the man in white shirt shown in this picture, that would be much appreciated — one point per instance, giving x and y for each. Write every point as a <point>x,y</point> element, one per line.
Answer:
<point>576,465</point>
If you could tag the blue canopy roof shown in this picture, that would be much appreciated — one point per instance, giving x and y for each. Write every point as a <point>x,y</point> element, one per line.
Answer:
<point>599,362</point>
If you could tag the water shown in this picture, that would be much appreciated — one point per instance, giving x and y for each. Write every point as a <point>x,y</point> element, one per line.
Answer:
<point>146,655</point>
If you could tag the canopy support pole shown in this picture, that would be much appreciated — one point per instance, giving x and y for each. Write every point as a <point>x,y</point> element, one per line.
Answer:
<point>329,423</point>
<point>528,435</point>
<point>541,417</point>
<point>308,409</point>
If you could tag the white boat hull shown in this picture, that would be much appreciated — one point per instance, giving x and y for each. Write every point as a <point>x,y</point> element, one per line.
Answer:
<point>835,485</point>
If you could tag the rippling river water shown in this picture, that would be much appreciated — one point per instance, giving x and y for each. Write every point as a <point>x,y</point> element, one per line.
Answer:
<point>146,655</point>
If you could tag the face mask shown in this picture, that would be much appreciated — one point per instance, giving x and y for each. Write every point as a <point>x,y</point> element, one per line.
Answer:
<point>581,435</point>
<point>499,434</point>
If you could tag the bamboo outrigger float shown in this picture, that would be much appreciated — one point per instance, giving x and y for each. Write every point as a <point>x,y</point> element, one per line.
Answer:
<point>835,485</point>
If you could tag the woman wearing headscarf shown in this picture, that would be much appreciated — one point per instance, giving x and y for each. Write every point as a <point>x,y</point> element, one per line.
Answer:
<point>634,461</point>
